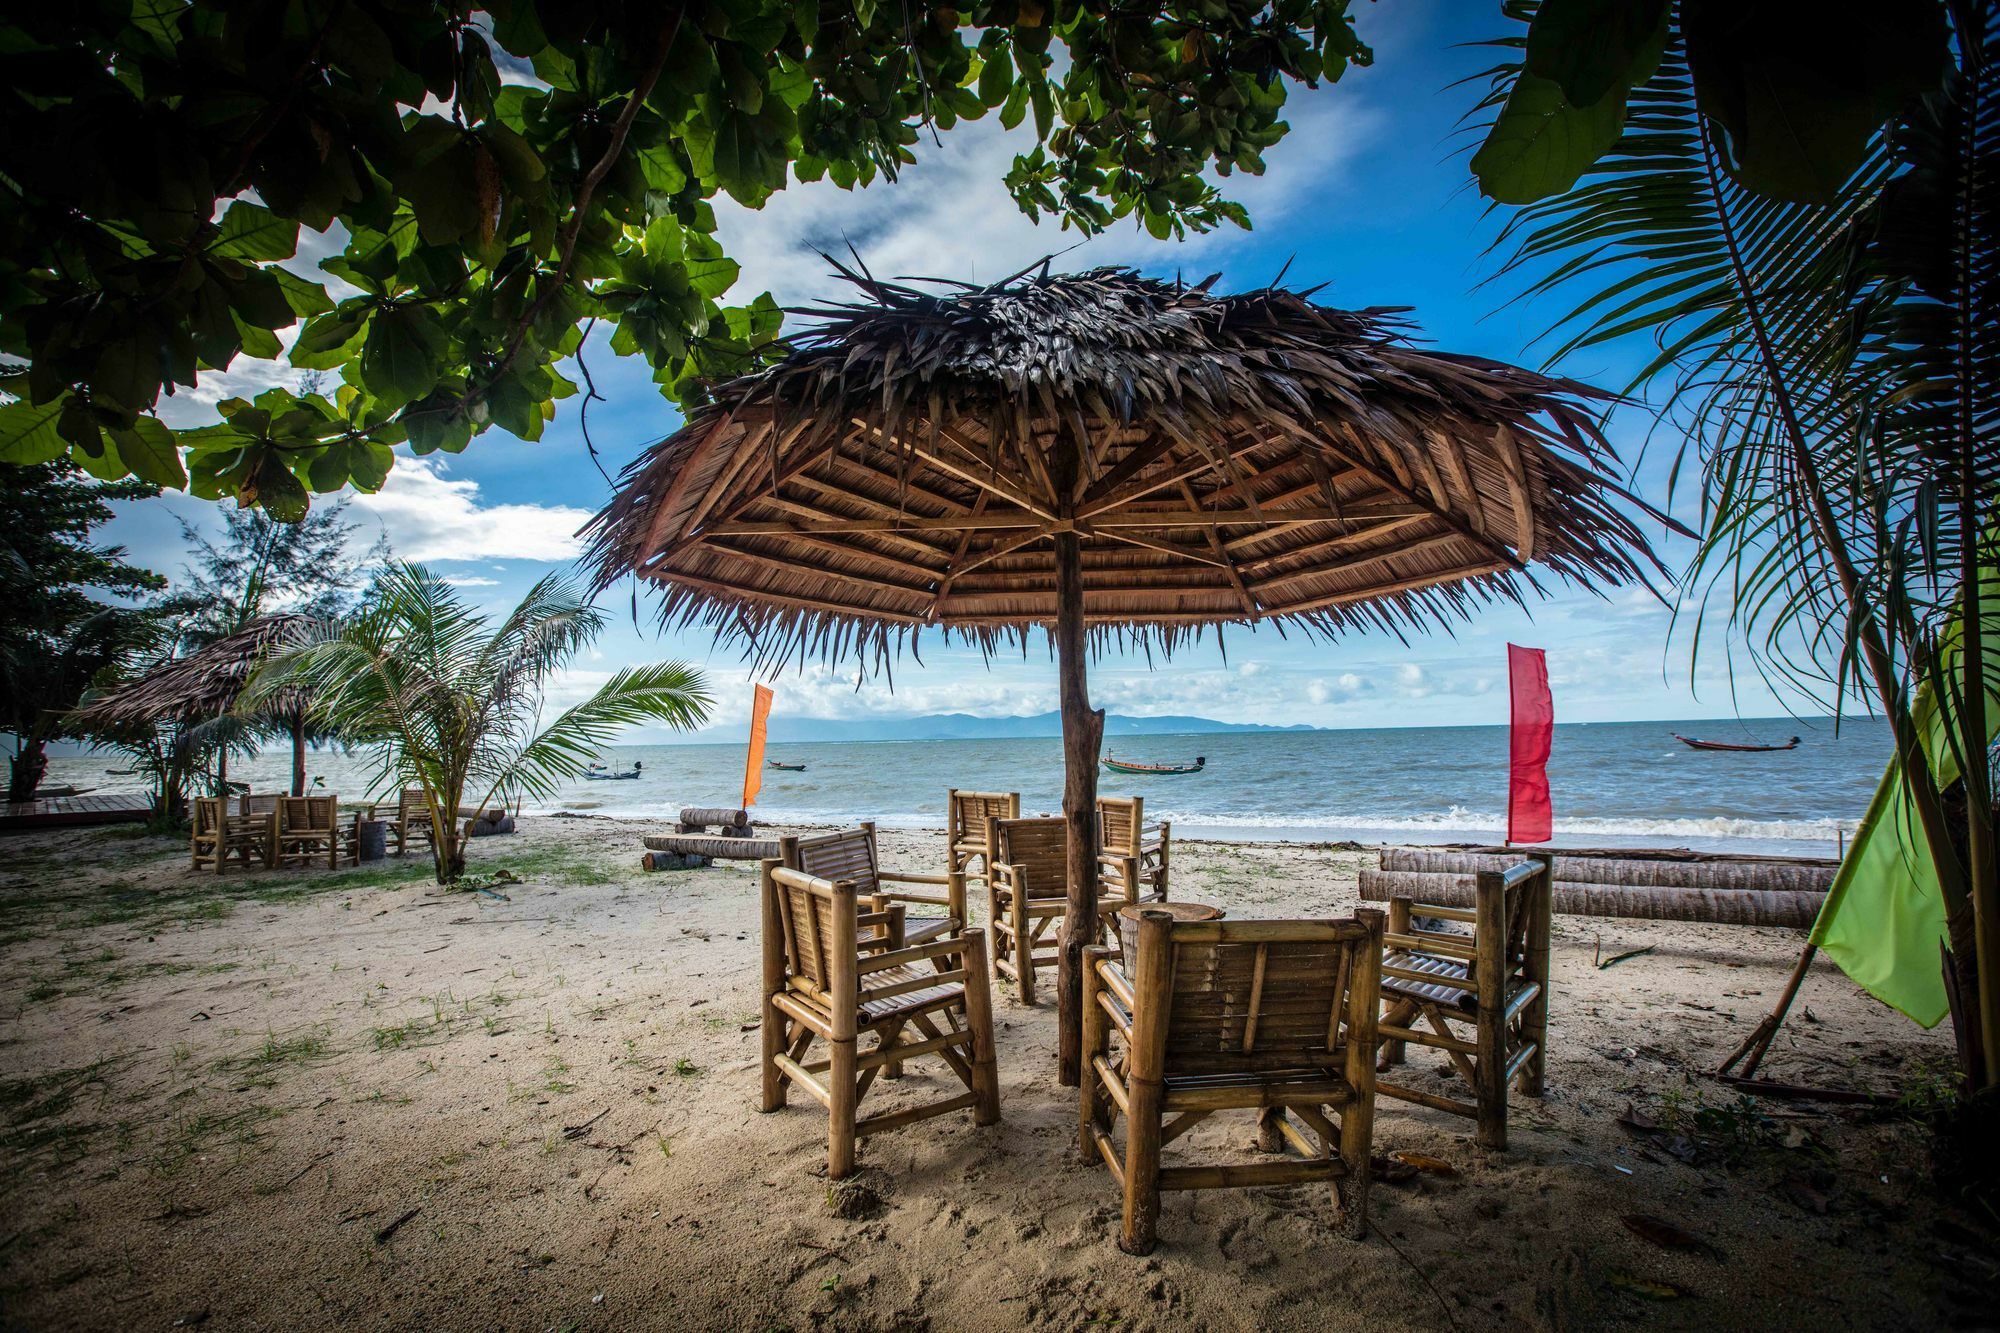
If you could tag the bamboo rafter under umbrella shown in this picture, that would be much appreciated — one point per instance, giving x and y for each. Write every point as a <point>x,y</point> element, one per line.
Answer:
<point>204,685</point>
<point>1111,458</point>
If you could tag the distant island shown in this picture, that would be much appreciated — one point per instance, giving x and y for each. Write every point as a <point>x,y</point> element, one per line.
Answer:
<point>966,727</point>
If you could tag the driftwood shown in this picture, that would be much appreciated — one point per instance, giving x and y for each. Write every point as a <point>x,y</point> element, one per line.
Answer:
<point>1684,871</point>
<point>727,848</point>
<point>1726,907</point>
<point>706,816</point>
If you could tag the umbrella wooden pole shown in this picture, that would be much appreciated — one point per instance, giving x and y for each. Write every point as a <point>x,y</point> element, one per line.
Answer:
<point>1083,733</point>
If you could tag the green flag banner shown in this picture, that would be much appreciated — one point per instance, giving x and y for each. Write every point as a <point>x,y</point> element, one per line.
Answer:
<point>1883,920</point>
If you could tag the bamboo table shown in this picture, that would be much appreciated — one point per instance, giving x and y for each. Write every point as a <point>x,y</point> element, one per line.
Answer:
<point>1128,920</point>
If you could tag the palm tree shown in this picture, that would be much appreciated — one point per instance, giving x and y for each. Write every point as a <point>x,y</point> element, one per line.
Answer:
<point>1833,361</point>
<point>455,703</point>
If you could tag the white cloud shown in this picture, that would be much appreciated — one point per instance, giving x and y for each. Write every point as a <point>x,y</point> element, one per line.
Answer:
<point>431,517</point>
<point>949,215</point>
<point>471,581</point>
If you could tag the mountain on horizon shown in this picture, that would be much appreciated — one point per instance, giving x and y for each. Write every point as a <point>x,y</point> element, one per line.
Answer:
<point>966,727</point>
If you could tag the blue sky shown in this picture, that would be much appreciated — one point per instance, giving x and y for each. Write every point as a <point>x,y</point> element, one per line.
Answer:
<point>1368,194</point>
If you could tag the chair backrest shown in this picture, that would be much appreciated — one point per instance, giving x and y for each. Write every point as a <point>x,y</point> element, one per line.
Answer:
<point>1244,996</point>
<point>1120,820</point>
<point>207,812</point>
<point>848,854</point>
<point>1509,916</point>
<point>410,804</point>
<point>815,921</point>
<point>257,805</point>
<point>966,812</point>
<point>309,813</point>
<point>1040,846</point>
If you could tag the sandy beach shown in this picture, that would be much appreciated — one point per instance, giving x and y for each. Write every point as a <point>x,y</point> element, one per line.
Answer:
<point>307,1098</point>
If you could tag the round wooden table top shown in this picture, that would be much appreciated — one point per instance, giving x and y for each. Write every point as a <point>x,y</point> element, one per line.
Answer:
<point>1178,911</point>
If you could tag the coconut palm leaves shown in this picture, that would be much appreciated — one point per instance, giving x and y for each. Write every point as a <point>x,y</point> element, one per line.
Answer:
<point>455,703</point>
<point>1828,355</point>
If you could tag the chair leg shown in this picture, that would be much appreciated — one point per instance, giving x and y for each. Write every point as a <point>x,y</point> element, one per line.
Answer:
<point>1024,950</point>
<point>979,1022</point>
<point>772,1038</point>
<point>843,1094</point>
<point>1490,1087</point>
<point>1350,1193</point>
<point>1269,1137</point>
<point>1142,1170</point>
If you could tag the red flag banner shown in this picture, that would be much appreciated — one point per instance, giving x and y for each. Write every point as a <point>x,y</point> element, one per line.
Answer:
<point>753,770</point>
<point>1530,816</point>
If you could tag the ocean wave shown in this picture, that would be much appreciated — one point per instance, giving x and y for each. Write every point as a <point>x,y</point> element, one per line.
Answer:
<point>1455,820</point>
<point>1460,820</point>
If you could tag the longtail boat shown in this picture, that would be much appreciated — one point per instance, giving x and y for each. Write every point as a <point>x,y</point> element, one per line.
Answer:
<point>789,768</point>
<point>1154,770</point>
<point>1694,744</point>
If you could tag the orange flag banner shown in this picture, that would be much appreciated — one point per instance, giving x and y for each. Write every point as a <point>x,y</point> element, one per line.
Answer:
<point>753,771</point>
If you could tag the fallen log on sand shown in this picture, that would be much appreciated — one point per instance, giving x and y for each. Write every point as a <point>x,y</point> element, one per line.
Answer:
<point>1653,886</point>
<point>682,851</point>
<point>701,818</point>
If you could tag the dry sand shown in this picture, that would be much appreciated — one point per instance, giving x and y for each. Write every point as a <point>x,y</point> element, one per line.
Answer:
<point>300,1099</point>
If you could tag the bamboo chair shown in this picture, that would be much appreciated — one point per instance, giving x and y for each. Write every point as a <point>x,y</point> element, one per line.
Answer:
<point>307,831</point>
<point>1273,1016</point>
<point>221,836</point>
<point>966,833</point>
<point>854,855</point>
<point>410,823</point>
<point>825,981</point>
<point>1485,996</point>
<point>1027,892</point>
<point>1132,857</point>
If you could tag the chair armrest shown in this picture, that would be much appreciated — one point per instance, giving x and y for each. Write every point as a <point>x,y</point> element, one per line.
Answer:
<point>1423,941</point>
<point>902,878</point>
<point>1112,974</point>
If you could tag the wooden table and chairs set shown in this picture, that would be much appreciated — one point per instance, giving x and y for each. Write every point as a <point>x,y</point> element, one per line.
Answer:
<point>1186,1013</point>
<point>253,831</point>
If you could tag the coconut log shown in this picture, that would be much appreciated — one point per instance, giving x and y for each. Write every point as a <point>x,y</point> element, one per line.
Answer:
<point>1761,874</point>
<point>1646,902</point>
<point>698,844</point>
<point>702,816</point>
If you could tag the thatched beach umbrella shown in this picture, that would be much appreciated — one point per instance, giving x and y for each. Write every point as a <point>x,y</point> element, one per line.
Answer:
<point>1105,455</point>
<point>204,685</point>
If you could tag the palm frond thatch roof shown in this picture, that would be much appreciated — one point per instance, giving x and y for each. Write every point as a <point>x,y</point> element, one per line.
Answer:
<point>1224,459</point>
<point>202,685</point>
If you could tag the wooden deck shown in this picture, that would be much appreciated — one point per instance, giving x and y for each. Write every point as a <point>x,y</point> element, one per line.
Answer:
<point>118,807</point>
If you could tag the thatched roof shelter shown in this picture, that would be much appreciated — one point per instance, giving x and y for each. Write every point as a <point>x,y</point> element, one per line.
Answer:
<point>1106,453</point>
<point>205,684</point>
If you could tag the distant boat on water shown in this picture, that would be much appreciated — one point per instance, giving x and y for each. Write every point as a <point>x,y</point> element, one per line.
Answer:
<point>1694,744</point>
<point>597,772</point>
<point>789,768</point>
<point>1154,770</point>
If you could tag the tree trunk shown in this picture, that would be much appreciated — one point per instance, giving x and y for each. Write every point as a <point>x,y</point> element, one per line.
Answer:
<point>1982,879</point>
<point>298,756</point>
<point>25,772</point>
<point>1083,732</point>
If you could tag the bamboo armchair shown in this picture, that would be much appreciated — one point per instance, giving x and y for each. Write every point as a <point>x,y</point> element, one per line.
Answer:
<point>1273,1016</point>
<point>307,831</point>
<point>221,835</point>
<point>410,823</point>
<point>1132,855</point>
<point>1027,892</point>
<point>966,834</point>
<point>824,981</point>
<point>1485,996</point>
<point>854,855</point>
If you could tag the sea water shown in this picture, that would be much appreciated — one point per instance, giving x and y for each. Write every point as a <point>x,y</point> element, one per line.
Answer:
<point>1614,784</point>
